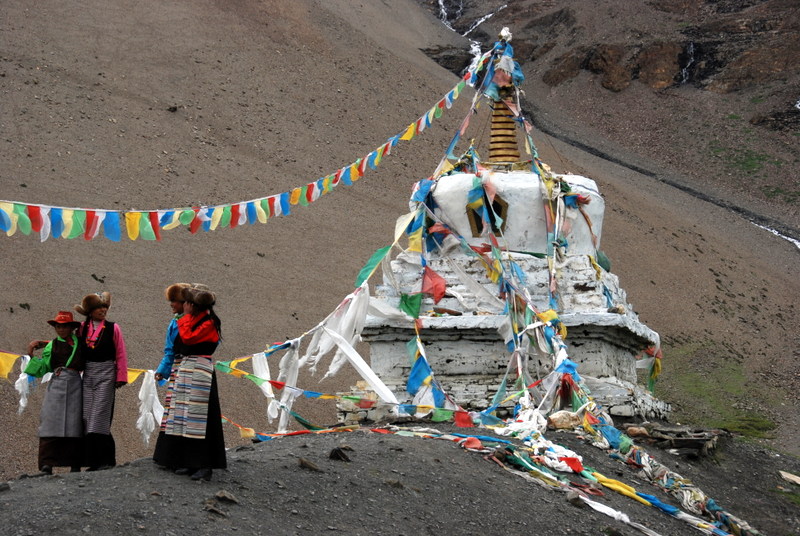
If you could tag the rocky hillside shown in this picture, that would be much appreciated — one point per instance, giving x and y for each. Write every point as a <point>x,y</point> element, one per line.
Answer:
<point>708,88</point>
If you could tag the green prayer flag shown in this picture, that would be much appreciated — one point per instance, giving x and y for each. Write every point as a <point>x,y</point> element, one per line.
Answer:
<point>23,221</point>
<point>410,304</point>
<point>256,380</point>
<point>225,220</point>
<point>186,217</point>
<point>145,228</point>
<point>372,263</point>
<point>78,223</point>
<point>440,415</point>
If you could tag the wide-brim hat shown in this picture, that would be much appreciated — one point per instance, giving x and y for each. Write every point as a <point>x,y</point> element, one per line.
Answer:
<point>176,292</point>
<point>62,318</point>
<point>91,302</point>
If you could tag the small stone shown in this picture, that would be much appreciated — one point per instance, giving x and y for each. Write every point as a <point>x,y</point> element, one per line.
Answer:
<point>306,464</point>
<point>226,496</point>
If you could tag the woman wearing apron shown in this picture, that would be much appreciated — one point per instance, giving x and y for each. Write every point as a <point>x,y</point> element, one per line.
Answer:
<point>103,349</point>
<point>61,424</point>
<point>191,439</point>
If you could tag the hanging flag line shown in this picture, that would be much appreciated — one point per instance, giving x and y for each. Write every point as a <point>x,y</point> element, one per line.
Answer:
<point>71,222</point>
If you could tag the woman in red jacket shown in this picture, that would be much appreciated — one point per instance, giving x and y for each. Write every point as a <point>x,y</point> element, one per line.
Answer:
<point>191,439</point>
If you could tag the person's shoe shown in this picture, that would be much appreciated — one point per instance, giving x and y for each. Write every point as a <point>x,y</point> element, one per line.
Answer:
<point>202,474</point>
<point>183,471</point>
<point>104,467</point>
<point>46,469</point>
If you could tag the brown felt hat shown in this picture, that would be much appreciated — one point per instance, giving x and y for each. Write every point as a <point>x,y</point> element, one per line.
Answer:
<point>201,295</point>
<point>64,317</point>
<point>176,292</point>
<point>91,302</point>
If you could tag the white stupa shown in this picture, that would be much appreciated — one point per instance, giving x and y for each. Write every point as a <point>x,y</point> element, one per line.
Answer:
<point>510,238</point>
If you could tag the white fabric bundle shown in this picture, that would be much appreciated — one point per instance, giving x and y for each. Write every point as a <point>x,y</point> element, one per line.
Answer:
<point>150,409</point>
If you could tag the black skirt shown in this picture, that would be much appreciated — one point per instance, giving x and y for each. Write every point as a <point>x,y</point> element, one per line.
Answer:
<point>175,452</point>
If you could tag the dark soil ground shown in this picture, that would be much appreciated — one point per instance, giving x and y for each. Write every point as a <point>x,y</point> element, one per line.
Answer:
<point>390,484</point>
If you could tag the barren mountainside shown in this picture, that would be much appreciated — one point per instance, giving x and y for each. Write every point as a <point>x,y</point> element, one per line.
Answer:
<point>684,112</point>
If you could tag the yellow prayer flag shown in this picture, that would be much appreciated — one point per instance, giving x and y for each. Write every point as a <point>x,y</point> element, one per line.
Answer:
<point>410,132</point>
<point>415,241</point>
<point>134,373</point>
<point>7,363</point>
<point>261,214</point>
<point>216,217</point>
<point>235,362</point>
<point>132,224</point>
<point>295,197</point>
<point>247,433</point>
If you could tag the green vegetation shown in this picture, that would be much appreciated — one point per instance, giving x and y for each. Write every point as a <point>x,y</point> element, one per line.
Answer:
<point>734,116</point>
<point>744,159</point>
<point>791,496</point>
<point>788,196</point>
<point>757,100</point>
<point>709,385</point>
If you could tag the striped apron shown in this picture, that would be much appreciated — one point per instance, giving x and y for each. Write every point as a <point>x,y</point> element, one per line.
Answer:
<point>99,381</point>
<point>187,414</point>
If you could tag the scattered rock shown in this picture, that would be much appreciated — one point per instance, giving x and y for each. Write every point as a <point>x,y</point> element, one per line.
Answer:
<point>338,453</point>
<point>307,464</point>
<point>226,496</point>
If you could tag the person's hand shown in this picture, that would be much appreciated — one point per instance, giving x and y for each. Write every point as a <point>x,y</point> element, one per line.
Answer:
<point>35,345</point>
<point>119,384</point>
<point>57,372</point>
<point>159,376</point>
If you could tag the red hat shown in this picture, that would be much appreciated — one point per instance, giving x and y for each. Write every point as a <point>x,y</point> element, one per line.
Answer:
<point>64,317</point>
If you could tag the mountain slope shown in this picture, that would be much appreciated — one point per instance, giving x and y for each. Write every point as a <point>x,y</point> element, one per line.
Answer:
<point>118,106</point>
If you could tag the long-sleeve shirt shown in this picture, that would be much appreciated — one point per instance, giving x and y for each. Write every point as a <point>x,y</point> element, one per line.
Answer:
<point>104,349</point>
<point>165,367</point>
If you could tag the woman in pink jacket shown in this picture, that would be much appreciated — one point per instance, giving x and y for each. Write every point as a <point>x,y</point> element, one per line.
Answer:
<point>103,349</point>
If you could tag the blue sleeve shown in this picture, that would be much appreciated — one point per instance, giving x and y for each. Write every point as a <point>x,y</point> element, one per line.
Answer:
<point>165,368</point>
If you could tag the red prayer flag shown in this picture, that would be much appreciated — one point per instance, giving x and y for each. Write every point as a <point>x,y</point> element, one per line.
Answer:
<point>234,215</point>
<point>433,284</point>
<point>573,463</point>
<point>462,419</point>
<point>277,385</point>
<point>196,223</point>
<point>35,216</point>
<point>154,223</point>
<point>91,221</point>
<point>439,228</point>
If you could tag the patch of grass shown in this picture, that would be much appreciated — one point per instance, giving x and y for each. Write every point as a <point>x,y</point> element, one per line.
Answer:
<point>787,196</point>
<point>791,496</point>
<point>748,161</point>
<point>734,116</point>
<point>743,158</point>
<point>713,389</point>
<point>757,100</point>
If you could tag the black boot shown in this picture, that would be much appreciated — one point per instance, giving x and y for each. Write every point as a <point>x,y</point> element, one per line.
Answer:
<point>202,474</point>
